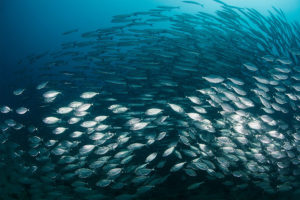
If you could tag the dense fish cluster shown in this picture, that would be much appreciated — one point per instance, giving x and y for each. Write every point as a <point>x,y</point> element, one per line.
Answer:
<point>165,105</point>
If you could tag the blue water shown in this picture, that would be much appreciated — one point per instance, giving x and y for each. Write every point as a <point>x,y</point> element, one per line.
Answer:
<point>34,28</point>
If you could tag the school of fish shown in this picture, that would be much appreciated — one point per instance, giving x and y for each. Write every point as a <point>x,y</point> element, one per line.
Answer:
<point>163,105</point>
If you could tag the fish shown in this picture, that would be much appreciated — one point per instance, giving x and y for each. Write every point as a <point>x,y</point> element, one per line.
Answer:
<point>70,31</point>
<point>51,94</point>
<point>213,78</point>
<point>177,167</point>
<point>19,91</point>
<point>64,110</point>
<point>153,111</point>
<point>42,85</point>
<point>51,120</point>
<point>59,130</point>
<point>151,157</point>
<point>193,2</point>
<point>250,67</point>
<point>88,95</point>
<point>5,109</point>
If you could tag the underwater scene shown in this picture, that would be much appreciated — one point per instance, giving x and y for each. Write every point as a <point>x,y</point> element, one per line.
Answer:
<point>150,100</point>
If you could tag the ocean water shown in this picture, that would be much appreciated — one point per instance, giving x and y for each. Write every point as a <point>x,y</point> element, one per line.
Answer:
<point>152,99</point>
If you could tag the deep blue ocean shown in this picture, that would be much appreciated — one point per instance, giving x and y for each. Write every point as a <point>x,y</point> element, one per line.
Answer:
<point>150,99</point>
